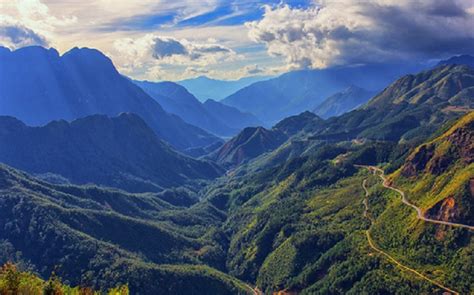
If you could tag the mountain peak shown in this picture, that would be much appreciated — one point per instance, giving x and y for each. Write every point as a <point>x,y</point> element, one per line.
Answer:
<point>248,144</point>
<point>44,86</point>
<point>449,82</point>
<point>31,51</point>
<point>124,150</point>
<point>463,59</point>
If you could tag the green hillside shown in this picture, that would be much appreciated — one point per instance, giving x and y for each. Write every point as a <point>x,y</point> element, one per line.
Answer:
<point>101,238</point>
<point>305,208</point>
<point>300,225</point>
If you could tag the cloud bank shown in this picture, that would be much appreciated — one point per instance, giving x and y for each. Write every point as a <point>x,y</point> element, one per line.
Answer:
<point>351,32</point>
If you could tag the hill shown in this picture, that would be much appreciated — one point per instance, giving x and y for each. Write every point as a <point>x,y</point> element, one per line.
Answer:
<point>440,173</point>
<point>343,102</point>
<point>101,238</point>
<point>252,142</point>
<point>248,144</point>
<point>38,86</point>
<point>120,152</point>
<point>300,226</point>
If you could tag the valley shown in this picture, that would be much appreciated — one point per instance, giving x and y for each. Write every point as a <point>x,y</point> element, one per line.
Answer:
<point>236,147</point>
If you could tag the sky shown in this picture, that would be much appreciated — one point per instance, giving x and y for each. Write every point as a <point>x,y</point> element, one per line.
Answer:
<point>229,39</point>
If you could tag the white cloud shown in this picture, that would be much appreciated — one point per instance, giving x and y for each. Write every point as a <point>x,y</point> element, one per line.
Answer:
<point>336,32</point>
<point>14,35</point>
<point>114,27</point>
<point>151,56</point>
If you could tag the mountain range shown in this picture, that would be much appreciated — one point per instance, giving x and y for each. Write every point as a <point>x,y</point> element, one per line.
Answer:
<point>408,110</point>
<point>82,82</point>
<point>372,200</point>
<point>211,116</point>
<point>298,91</point>
<point>101,238</point>
<point>120,152</point>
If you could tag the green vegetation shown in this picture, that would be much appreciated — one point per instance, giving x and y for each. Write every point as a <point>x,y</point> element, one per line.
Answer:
<point>290,218</point>
<point>101,238</point>
<point>13,281</point>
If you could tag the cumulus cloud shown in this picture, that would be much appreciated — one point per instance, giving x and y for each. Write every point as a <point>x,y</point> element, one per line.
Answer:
<point>168,50</point>
<point>15,36</point>
<point>166,47</point>
<point>151,56</point>
<point>349,32</point>
<point>172,50</point>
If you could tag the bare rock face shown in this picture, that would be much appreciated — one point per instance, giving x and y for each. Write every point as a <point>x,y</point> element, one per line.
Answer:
<point>418,161</point>
<point>445,210</point>
<point>463,138</point>
<point>435,157</point>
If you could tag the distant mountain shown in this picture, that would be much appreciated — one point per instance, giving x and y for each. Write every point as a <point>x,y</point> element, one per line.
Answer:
<point>38,85</point>
<point>255,141</point>
<point>101,238</point>
<point>298,91</point>
<point>410,109</point>
<point>248,144</point>
<point>175,99</point>
<point>444,86</point>
<point>343,102</point>
<point>294,124</point>
<point>120,152</point>
<point>230,115</point>
<point>205,88</point>
<point>459,60</point>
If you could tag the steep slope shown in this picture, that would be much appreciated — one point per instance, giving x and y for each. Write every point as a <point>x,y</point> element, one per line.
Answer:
<point>175,99</point>
<point>298,91</point>
<point>343,102</point>
<point>38,85</point>
<point>230,115</point>
<point>451,85</point>
<point>253,142</point>
<point>102,238</point>
<point>205,88</point>
<point>439,174</point>
<point>248,144</point>
<point>301,227</point>
<point>121,152</point>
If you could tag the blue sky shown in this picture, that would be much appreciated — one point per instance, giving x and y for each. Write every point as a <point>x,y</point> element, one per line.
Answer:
<point>225,13</point>
<point>179,39</point>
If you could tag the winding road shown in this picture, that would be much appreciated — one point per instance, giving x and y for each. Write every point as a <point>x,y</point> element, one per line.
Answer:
<point>418,210</point>
<point>391,258</point>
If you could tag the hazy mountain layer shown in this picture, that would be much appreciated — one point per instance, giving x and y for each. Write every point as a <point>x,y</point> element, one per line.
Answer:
<point>120,152</point>
<point>343,102</point>
<point>205,88</point>
<point>38,86</point>
<point>295,92</point>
